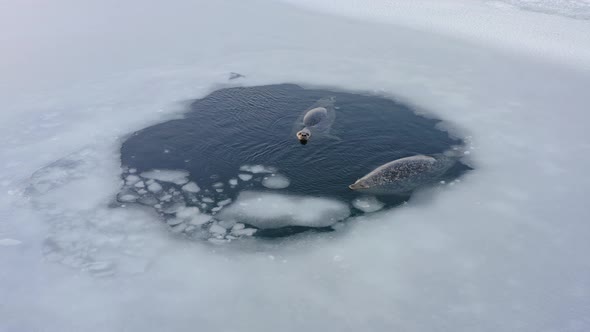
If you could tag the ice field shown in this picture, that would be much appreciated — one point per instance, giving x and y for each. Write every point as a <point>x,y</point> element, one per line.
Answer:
<point>503,249</point>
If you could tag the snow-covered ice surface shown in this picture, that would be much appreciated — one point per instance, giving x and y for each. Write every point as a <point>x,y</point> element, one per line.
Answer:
<point>505,249</point>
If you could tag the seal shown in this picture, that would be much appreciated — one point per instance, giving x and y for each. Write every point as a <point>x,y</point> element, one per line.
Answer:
<point>317,120</point>
<point>401,176</point>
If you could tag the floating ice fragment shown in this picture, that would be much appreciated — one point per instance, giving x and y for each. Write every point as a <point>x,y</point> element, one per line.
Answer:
<point>218,185</point>
<point>275,181</point>
<point>178,177</point>
<point>132,179</point>
<point>187,212</point>
<point>200,219</point>
<point>174,221</point>
<point>155,187</point>
<point>226,223</point>
<point>207,200</point>
<point>127,198</point>
<point>233,182</point>
<point>139,184</point>
<point>9,242</point>
<point>191,187</point>
<point>238,226</point>
<point>166,198</point>
<point>217,208</point>
<point>367,204</point>
<point>268,210</point>
<point>245,177</point>
<point>244,232</point>
<point>258,169</point>
<point>224,202</point>
<point>132,170</point>
<point>216,229</point>
<point>219,190</point>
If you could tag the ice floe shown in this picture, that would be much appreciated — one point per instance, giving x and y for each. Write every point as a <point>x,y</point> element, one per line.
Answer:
<point>368,204</point>
<point>191,187</point>
<point>258,169</point>
<point>275,181</point>
<point>178,177</point>
<point>245,177</point>
<point>270,210</point>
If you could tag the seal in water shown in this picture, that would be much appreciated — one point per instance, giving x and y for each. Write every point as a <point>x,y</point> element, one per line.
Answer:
<point>401,176</point>
<point>317,120</point>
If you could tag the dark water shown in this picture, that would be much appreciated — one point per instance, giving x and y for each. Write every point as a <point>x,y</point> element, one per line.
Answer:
<point>254,125</point>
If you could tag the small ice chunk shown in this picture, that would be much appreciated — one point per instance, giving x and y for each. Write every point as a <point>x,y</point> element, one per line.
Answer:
<point>178,177</point>
<point>224,202</point>
<point>139,184</point>
<point>174,221</point>
<point>155,187</point>
<point>127,198</point>
<point>275,181</point>
<point>218,185</point>
<point>270,210</point>
<point>142,191</point>
<point>9,242</point>
<point>207,200</point>
<point>233,182</point>
<point>200,219</point>
<point>244,232</point>
<point>174,208</point>
<point>191,187</point>
<point>258,169</point>
<point>187,212</point>
<point>367,204</point>
<point>165,198</point>
<point>132,179</point>
<point>132,170</point>
<point>219,190</point>
<point>217,208</point>
<point>227,224</point>
<point>245,177</point>
<point>216,229</point>
<point>179,228</point>
<point>238,226</point>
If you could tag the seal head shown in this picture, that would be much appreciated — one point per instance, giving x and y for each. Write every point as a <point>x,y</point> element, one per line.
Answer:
<point>303,135</point>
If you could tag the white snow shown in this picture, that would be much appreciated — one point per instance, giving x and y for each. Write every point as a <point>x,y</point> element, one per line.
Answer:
<point>173,176</point>
<point>275,181</point>
<point>191,187</point>
<point>367,204</point>
<point>266,210</point>
<point>504,250</point>
<point>245,177</point>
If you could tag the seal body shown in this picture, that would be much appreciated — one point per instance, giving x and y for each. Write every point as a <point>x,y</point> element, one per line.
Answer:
<point>403,175</point>
<point>317,120</point>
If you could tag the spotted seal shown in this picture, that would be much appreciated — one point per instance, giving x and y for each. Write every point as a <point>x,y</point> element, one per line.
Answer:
<point>403,175</point>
